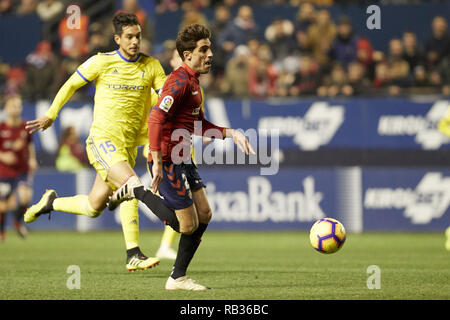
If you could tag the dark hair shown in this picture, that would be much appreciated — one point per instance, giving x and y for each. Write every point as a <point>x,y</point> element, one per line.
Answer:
<point>188,36</point>
<point>122,19</point>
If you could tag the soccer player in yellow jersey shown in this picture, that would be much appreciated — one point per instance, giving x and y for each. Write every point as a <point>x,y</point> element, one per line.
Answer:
<point>124,82</point>
<point>444,127</point>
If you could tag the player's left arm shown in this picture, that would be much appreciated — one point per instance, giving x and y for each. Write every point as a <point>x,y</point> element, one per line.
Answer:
<point>240,140</point>
<point>238,137</point>
<point>85,73</point>
<point>63,95</point>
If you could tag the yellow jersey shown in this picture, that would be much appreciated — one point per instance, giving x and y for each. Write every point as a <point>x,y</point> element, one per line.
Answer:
<point>123,94</point>
<point>444,124</point>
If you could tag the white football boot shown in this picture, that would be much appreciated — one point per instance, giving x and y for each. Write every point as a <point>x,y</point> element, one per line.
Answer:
<point>184,283</point>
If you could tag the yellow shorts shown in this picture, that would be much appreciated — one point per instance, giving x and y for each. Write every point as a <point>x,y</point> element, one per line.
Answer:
<point>103,153</point>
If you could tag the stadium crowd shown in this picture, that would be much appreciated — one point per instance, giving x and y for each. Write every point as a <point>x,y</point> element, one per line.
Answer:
<point>312,55</point>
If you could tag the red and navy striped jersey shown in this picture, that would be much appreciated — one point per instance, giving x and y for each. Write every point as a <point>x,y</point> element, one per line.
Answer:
<point>15,140</point>
<point>178,107</point>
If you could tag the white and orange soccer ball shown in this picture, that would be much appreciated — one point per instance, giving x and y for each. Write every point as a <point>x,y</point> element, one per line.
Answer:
<point>327,235</point>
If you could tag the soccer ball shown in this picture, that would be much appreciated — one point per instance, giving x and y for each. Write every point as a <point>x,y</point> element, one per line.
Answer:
<point>327,235</point>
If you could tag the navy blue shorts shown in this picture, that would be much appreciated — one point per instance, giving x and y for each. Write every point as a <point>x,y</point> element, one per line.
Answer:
<point>179,180</point>
<point>9,185</point>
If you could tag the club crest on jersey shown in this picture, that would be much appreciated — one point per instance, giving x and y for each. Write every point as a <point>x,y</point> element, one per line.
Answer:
<point>166,103</point>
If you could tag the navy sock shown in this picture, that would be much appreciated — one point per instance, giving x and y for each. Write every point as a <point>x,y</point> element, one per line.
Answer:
<point>154,203</point>
<point>186,250</point>
<point>133,251</point>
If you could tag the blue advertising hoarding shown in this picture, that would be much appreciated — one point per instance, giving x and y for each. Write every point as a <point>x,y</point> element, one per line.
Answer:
<point>304,125</point>
<point>363,199</point>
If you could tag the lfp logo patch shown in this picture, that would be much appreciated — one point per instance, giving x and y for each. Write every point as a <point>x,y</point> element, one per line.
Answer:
<point>166,103</point>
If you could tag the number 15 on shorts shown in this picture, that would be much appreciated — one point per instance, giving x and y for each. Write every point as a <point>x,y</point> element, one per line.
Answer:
<point>107,147</point>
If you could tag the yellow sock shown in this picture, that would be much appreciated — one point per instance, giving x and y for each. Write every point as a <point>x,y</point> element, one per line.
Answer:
<point>78,204</point>
<point>130,223</point>
<point>168,237</point>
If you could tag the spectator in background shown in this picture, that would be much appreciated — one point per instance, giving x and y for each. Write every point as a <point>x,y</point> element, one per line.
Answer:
<point>279,35</point>
<point>15,81</point>
<point>420,77</point>
<point>253,47</point>
<point>444,71</point>
<point>381,79</point>
<point>412,52</point>
<point>71,153</point>
<point>198,4</point>
<point>166,5</point>
<point>26,7</point>
<point>220,22</point>
<point>235,82</point>
<point>262,75</point>
<point>398,68</point>
<point>49,9</point>
<point>334,83</point>
<point>239,31</point>
<point>166,55</point>
<point>344,47</point>
<point>228,3</point>
<point>307,78</point>
<point>217,27</point>
<point>41,65</point>
<point>6,6</point>
<point>358,83</point>
<point>74,41</point>
<point>435,79</point>
<point>192,15</point>
<point>97,40</point>
<point>320,36</point>
<point>365,56</point>
<point>319,2</point>
<point>132,6</point>
<point>4,70</point>
<point>305,18</point>
<point>146,47</point>
<point>438,45</point>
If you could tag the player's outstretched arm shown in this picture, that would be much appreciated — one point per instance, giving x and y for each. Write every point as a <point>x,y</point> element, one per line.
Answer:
<point>40,123</point>
<point>240,140</point>
<point>238,137</point>
<point>67,90</point>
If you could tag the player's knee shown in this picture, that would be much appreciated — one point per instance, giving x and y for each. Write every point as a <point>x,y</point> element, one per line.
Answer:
<point>188,229</point>
<point>93,211</point>
<point>205,217</point>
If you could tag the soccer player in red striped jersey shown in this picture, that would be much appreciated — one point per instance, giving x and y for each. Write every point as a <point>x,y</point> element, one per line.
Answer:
<point>17,165</point>
<point>175,177</point>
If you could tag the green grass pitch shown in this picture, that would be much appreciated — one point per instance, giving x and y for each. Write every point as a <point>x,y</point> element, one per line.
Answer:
<point>237,265</point>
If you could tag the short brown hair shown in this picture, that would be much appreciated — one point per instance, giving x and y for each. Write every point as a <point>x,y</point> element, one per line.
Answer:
<point>188,36</point>
<point>122,19</point>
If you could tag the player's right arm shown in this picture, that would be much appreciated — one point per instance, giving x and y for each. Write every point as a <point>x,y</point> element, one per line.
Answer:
<point>170,96</point>
<point>85,73</point>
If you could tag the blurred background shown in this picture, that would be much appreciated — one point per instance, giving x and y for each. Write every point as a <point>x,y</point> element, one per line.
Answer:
<point>356,108</point>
